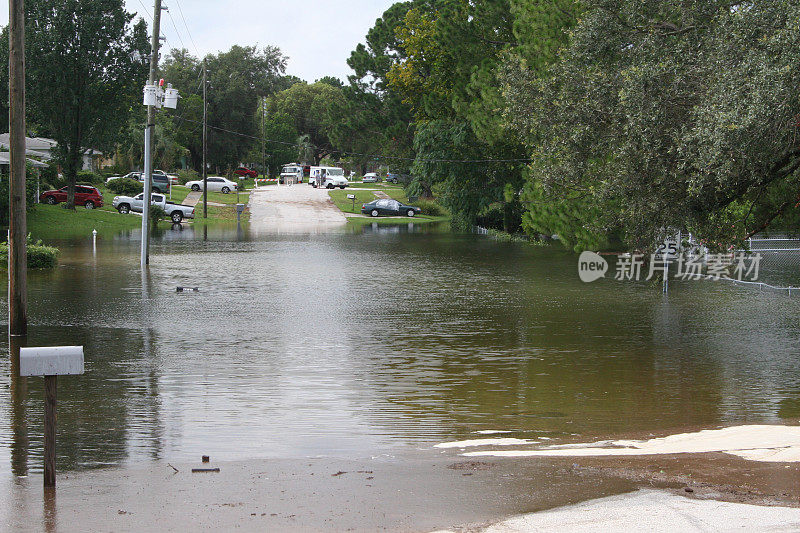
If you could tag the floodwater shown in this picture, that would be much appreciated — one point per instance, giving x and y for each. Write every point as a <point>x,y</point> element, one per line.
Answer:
<point>370,342</point>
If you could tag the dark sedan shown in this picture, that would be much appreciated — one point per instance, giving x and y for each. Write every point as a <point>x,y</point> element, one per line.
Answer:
<point>388,207</point>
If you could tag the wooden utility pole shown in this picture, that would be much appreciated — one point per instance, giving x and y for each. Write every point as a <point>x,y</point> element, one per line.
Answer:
<point>264,136</point>
<point>205,173</point>
<point>17,227</point>
<point>155,42</point>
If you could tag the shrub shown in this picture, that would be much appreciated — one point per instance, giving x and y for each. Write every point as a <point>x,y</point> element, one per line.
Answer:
<point>431,208</point>
<point>39,255</point>
<point>49,174</point>
<point>90,177</point>
<point>30,196</point>
<point>156,214</point>
<point>125,186</point>
<point>185,176</point>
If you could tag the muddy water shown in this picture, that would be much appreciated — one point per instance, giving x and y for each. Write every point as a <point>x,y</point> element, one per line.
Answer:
<point>367,343</point>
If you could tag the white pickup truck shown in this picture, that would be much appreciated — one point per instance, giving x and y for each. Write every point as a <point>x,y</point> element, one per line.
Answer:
<point>176,212</point>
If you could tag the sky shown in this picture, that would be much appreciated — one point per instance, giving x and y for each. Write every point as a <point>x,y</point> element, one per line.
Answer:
<point>316,35</point>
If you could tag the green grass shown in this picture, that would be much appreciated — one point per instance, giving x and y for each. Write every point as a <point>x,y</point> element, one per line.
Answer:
<point>380,186</point>
<point>55,222</point>
<point>179,194</point>
<point>346,205</point>
<point>419,219</point>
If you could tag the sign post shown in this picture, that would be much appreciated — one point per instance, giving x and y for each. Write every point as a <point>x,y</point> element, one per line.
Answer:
<point>50,362</point>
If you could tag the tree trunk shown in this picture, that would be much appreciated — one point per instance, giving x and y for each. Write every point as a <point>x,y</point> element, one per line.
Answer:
<point>71,173</point>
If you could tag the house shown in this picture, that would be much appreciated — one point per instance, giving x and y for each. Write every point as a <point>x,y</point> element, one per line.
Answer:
<point>42,148</point>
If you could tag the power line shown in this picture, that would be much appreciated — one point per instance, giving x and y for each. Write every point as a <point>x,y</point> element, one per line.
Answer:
<point>183,46</point>
<point>180,10</point>
<point>376,156</point>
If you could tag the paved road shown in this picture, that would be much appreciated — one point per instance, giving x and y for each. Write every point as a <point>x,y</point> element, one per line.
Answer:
<point>293,209</point>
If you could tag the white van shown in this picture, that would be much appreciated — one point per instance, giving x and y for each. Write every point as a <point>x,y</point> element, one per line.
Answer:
<point>291,173</point>
<point>328,177</point>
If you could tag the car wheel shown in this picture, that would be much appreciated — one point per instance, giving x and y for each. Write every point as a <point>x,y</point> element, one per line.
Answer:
<point>51,200</point>
<point>195,187</point>
<point>225,190</point>
<point>330,186</point>
<point>341,187</point>
<point>89,205</point>
<point>411,213</point>
<point>374,212</point>
<point>124,209</point>
<point>176,217</point>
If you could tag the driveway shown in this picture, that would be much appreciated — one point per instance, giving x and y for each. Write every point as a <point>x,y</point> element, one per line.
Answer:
<point>293,209</point>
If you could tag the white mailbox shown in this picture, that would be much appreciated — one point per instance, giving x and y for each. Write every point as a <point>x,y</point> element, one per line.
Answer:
<point>51,361</point>
<point>351,196</point>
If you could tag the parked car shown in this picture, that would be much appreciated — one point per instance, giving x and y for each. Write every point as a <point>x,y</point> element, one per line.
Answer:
<point>391,177</point>
<point>331,182</point>
<point>215,183</point>
<point>161,180</point>
<point>371,177</point>
<point>245,172</point>
<point>387,207</point>
<point>176,212</point>
<point>88,197</point>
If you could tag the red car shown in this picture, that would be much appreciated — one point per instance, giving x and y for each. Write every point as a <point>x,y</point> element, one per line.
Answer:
<point>245,172</point>
<point>88,197</point>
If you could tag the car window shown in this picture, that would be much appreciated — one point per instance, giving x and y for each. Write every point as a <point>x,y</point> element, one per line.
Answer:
<point>139,196</point>
<point>383,203</point>
<point>215,180</point>
<point>394,204</point>
<point>157,198</point>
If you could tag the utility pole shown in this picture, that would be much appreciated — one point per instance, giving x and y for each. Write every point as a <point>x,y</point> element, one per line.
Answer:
<point>205,173</point>
<point>17,227</point>
<point>264,136</point>
<point>148,137</point>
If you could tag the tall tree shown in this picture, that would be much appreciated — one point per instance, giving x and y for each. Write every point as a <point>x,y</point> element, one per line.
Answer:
<point>313,108</point>
<point>85,67</point>
<point>667,116</point>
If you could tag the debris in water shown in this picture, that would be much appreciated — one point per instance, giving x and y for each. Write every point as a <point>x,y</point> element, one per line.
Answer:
<point>206,458</point>
<point>205,469</point>
<point>187,289</point>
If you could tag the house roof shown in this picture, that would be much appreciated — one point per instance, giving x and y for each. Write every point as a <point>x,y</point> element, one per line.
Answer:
<point>39,146</point>
<point>4,160</point>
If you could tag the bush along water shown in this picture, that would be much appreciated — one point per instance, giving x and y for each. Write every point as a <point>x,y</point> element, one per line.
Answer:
<point>40,256</point>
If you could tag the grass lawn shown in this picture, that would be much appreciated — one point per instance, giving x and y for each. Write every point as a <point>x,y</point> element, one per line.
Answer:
<point>55,222</point>
<point>362,197</point>
<point>419,219</point>
<point>179,194</point>
<point>346,205</point>
<point>381,186</point>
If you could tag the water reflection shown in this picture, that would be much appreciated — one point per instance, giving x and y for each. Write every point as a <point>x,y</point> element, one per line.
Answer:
<point>357,343</point>
<point>18,393</point>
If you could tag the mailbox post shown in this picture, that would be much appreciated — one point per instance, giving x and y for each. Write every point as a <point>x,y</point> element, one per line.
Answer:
<point>239,211</point>
<point>50,362</point>
<point>352,197</point>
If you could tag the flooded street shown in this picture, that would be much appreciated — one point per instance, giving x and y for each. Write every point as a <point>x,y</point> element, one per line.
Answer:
<point>376,344</point>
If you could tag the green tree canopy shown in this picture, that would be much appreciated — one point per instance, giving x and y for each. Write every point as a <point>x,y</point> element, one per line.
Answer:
<point>85,62</point>
<point>667,116</point>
